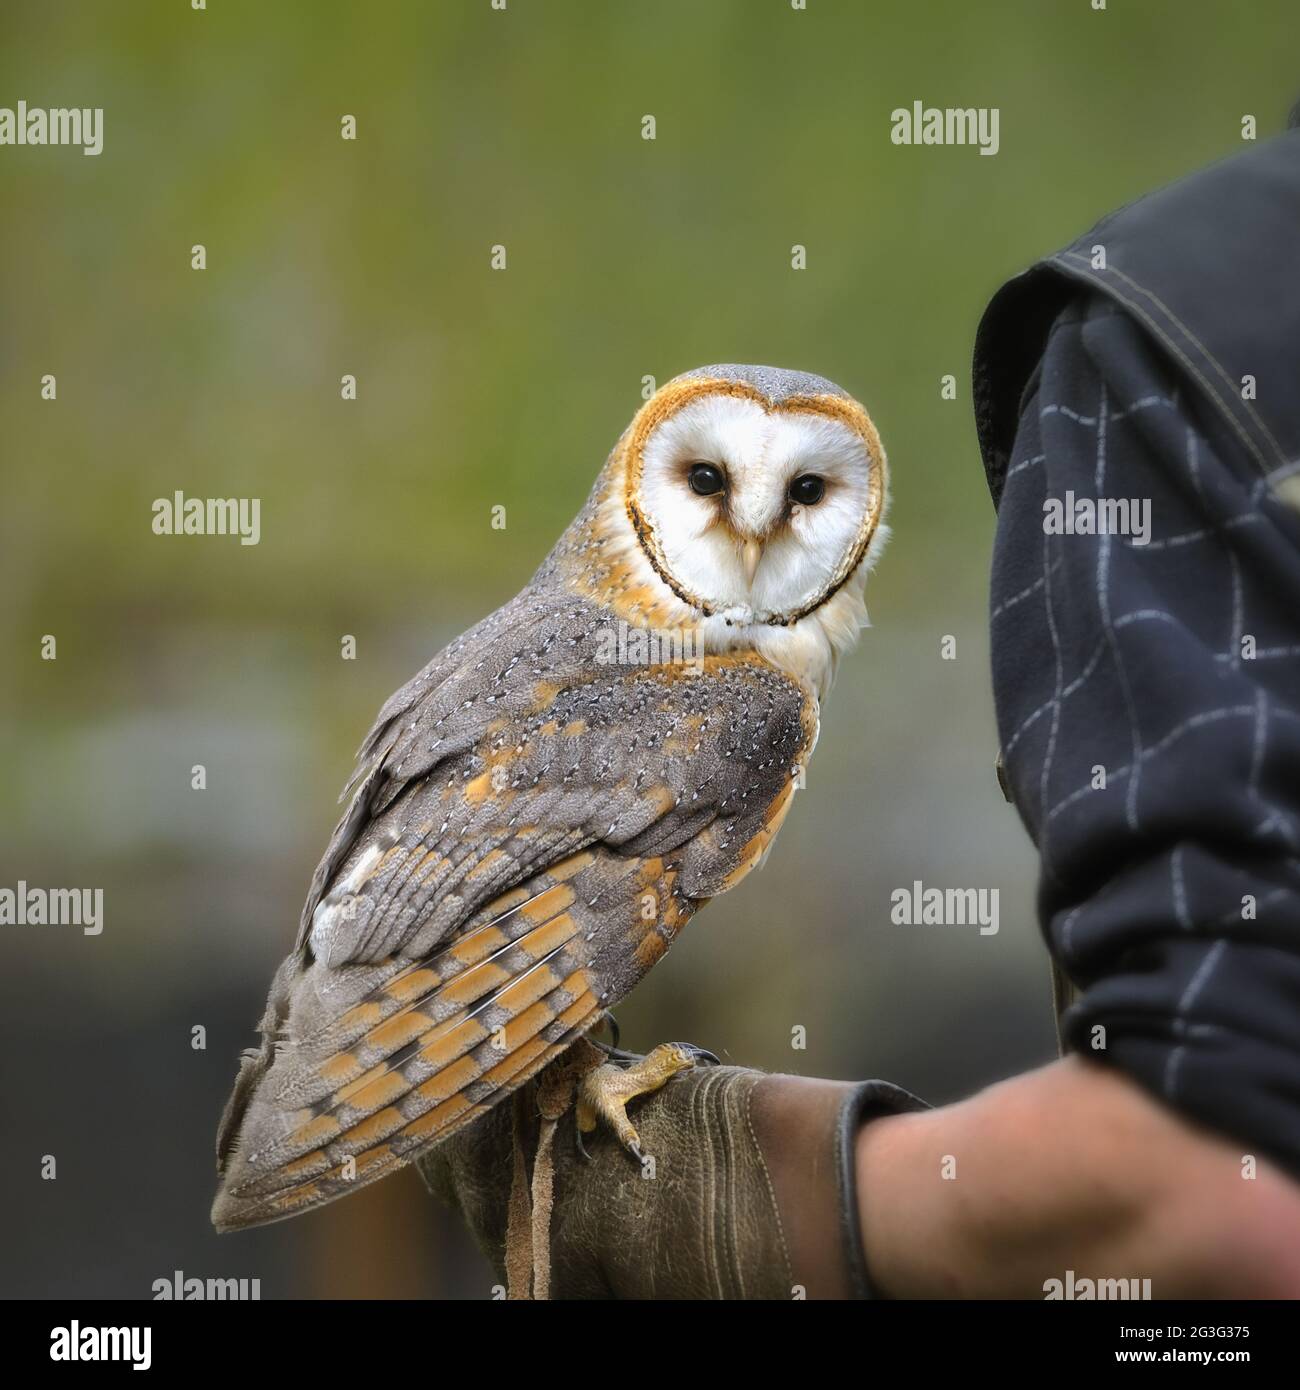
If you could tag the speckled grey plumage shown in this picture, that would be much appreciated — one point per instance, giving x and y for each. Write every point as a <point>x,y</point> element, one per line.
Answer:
<point>776,383</point>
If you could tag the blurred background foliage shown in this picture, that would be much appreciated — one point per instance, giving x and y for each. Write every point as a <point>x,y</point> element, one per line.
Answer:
<point>626,258</point>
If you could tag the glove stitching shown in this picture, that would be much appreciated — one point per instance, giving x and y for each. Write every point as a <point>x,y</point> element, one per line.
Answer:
<point>708,1189</point>
<point>727,1209</point>
<point>771,1190</point>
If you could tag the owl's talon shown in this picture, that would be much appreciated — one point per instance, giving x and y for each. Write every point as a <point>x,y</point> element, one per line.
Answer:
<point>604,1092</point>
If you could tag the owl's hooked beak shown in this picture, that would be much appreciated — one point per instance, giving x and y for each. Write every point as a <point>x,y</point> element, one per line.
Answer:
<point>751,552</point>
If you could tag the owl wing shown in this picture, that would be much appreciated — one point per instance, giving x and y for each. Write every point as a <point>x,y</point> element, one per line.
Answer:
<point>495,884</point>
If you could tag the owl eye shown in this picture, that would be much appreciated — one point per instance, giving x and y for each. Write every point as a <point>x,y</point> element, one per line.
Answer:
<point>808,489</point>
<point>705,479</point>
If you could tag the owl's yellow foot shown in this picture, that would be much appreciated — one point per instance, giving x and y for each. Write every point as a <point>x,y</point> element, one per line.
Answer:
<point>605,1092</point>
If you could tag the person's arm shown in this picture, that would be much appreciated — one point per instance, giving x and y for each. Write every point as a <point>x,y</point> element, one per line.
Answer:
<point>1071,1167</point>
<point>1148,692</point>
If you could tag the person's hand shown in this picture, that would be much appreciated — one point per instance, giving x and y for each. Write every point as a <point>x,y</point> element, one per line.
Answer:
<point>746,1188</point>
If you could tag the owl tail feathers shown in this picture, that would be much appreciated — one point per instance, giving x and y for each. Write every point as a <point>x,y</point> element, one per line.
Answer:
<point>363,1067</point>
<point>254,1064</point>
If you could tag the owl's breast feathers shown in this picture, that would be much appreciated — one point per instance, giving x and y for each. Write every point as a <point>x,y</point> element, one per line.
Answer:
<point>531,826</point>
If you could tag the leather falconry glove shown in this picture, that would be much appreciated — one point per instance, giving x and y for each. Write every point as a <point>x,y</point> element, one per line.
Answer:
<point>745,1187</point>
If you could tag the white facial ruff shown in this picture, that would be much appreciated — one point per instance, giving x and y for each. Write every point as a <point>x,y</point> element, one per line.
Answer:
<point>806,605</point>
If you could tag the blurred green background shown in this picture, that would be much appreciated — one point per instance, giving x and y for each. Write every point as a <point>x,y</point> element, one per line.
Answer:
<point>626,258</point>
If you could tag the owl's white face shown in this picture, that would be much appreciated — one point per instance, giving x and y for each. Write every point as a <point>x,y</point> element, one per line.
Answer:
<point>756,514</point>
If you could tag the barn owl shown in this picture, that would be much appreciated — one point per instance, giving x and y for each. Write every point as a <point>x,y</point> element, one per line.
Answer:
<point>537,814</point>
